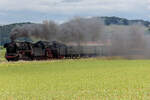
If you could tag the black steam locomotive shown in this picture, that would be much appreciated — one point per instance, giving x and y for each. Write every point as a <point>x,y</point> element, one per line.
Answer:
<point>43,50</point>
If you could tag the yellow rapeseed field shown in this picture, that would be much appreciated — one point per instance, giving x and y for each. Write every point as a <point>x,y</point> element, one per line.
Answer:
<point>82,79</point>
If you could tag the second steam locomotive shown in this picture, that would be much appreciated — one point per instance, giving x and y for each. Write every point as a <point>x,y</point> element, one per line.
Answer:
<point>43,50</point>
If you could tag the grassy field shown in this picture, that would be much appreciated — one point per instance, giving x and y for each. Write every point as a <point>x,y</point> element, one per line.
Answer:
<point>2,54</point>
<point>84,79</point>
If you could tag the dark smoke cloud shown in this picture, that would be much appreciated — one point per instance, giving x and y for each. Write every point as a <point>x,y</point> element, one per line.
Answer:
<point>47,31</point>
<point>82,30</point>
<point>76,30</point>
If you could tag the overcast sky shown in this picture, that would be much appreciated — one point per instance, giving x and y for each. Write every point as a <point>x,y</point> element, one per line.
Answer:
<point>60,10</point>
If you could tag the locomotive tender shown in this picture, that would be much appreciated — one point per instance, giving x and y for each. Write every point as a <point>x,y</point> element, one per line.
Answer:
<point>43,50</point>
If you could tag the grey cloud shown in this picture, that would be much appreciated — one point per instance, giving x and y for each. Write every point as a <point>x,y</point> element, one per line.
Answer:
<point>78,7</point>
